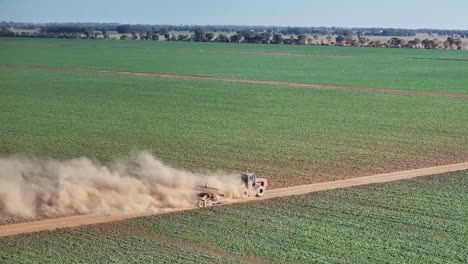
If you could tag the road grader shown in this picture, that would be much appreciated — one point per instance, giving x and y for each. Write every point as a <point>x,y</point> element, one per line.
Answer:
<point>250,185</point>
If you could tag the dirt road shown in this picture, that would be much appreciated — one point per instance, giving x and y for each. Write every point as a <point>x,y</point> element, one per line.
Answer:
<point>74,221</point>
<point>207,78</point>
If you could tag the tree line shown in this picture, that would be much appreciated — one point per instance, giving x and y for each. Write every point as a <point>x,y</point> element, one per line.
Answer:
<point>242,36</point>
<point>143,28</point>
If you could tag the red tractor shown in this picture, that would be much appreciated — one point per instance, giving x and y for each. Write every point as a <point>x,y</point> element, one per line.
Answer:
<point>253,185</point>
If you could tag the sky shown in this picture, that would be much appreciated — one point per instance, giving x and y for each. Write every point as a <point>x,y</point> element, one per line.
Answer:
<point>357,13</point>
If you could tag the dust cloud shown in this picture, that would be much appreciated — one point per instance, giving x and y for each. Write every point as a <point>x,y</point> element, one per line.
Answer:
<point>30,186</point>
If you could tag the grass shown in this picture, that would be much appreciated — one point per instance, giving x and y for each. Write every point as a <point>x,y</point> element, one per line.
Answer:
<point>370,67</point>
<point>422,220</point>
<point>292,135</point>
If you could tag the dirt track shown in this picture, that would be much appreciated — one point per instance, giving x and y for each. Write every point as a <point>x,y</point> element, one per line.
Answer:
<point>207,78</point>
<point>74,221</point>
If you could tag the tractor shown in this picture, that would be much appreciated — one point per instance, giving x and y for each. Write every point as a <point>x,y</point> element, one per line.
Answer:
<point>251,185</point>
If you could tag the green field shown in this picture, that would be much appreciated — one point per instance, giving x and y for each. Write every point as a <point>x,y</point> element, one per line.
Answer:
<point>291,135</point>
<point>419,221</point>
<point>370,67</point>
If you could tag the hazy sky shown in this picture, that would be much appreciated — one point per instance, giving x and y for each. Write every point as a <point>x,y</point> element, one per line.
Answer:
<point>383,13</point>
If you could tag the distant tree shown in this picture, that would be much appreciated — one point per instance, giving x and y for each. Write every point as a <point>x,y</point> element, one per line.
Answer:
<point>426,43</point>
<point>417,41</point>
<point>163,31</point>
<point>316,38</point>
<point>340,40</point>
<point>200,35</point>
<point>451,42</point>
<point>87,34</point>
<point>121,29</point>
<point>155,37</point>
<point>209,37</point>
<point>5,32</point>
<point>349,38</point>
<point>458,43</point>
<point>446,44</point>
<point>301,39</point>
<point>105,34</point>
<point>277,39</point>
<point>124,37</point>
<point>235,38</point>
<point>221,38</point>
<point>149,35</point>
<point>182,37</point>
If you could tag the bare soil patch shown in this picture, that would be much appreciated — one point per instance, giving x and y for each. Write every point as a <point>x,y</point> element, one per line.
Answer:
<point>439,59</point>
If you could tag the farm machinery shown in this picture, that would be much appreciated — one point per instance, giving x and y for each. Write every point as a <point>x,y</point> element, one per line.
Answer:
<point>250,185</point>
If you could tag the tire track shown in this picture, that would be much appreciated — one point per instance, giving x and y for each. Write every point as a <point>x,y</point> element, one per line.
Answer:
<point>80,220</point>
<point>237,80</point>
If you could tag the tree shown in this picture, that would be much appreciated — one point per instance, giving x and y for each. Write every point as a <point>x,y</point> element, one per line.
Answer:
<point>155,37</point>
<point>446,44</point>
<point>301,39</point>
<point>87,34</point>
<point>221,38</point>
<point>5,32</point>
<point>277,39</point>
<point>417,41</point>
<point>340,40</point>
<point>459,43</point>
<point>329,39</point>
<point>451,42</point>
<point>124,37</point>
<point>235,38</point>
<point>426,43</point>
<point>123,29</point>
<point>149,35</point>
<point>316,38</point>
<point>209,37</point>
<point>200,35</point>
<point>105,34</point>
<point>182,37</point>
<point>362,41</point>
<point>348,38</point>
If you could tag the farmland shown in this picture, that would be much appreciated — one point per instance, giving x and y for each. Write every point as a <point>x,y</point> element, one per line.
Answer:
<point>407,221</point>
<point>352,119</point>
<point>383,68</point>
<point>293,135</point>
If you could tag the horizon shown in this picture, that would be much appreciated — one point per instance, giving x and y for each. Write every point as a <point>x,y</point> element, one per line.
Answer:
<point>299,13</point>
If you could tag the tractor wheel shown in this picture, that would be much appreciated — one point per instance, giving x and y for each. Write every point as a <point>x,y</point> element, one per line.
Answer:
<point>244,194</point>
<point>201,203</point>
<point>260,191</point>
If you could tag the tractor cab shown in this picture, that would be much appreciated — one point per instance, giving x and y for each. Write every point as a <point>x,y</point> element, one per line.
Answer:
<point>249,179</point>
